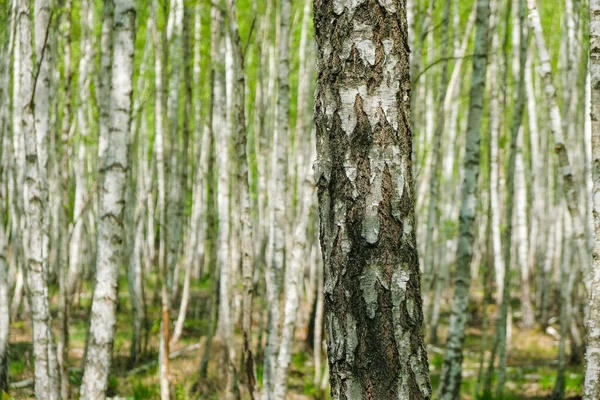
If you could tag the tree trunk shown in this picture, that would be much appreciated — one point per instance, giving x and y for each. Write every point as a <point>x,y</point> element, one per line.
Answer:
<point>176,185</point>
<point>364,180</point>
<point>243,200</point>
<point>35,205</point>
<point>293,281</point>
<point>452,368</point>
<point>436,162</point>
<point>275,272</point>
<point>502,333</point>
<point>112,206</point>
<point>564,166</point>
<point>495,162</point>
<point>6,52</point>
<point>103,93</point>
<point>592,372</point>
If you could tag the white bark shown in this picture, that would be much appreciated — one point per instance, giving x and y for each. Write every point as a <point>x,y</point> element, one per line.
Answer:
<point>452,368</point>
<point>366,206</point>
<point>112,206</point>
<point>43,52</point>
<point>436,163</point>
<point>103,94</point>
<point>495,162</point>
<point>195,239</point>
<point>293,280</point>
<point>196,235</point>
<point>176,185</point>
<point>592,357</point>
<point>5,277</point>
<point>35,205</point>
<point>274,274</point>
<point>222,151</point>
<point>521,237</point>
<point>203,151</point>
<point>565,168</point>
<point>76,242</point>
<point>450,211</point>
<point>318,338</point>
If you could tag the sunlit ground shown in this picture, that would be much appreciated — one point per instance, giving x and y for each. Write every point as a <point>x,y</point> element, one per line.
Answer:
<point>531,371</point>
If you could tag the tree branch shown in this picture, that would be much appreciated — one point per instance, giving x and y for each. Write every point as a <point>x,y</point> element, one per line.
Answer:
<point>39,66</point>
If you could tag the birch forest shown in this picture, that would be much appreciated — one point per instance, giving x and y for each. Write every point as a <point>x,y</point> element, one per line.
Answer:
<point>300,199</point>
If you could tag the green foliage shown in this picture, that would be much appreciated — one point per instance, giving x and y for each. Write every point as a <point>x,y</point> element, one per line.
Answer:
<point>181,393</point>
<point>299,360</point>
<point>17,367</point>
<point>436,360</point>
<point>145,391</point>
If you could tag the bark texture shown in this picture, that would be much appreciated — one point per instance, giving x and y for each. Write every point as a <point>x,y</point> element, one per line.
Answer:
<point>243,199</point>
<point>592,371</point>
<point>35,204</point>
<point>452,367</point>
<point>112,206</point>
<point>373,309</point>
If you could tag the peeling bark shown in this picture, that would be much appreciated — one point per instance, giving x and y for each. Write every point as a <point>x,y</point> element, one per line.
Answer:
<point>364,180</point>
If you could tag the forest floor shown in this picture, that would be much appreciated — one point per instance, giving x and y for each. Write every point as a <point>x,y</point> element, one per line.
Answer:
<point>531,371</point>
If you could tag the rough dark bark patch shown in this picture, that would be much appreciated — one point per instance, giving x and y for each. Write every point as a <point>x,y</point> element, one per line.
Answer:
<point>363,173</point>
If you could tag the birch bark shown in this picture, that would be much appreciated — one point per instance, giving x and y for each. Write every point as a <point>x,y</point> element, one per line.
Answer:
<point>5,56</point>
<point>436,162</point>
<point>103,94</point>
<point>243,199</point>
<point>35,205</point>
<point>195,238</point>
<point>495,163</point>
<point>450,211</point>
<point>592,370</point>
<point>112,206</point>
<point>176,185</point>
<point>293,280</point>
<point>564,165</point>
<point>42,18</point>
<point>280,171</point>
<point>452,368</point>
<point>75,243</point>
<point>364,179</point>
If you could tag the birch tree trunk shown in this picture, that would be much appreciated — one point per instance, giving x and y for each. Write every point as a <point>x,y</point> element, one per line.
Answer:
<point>42,18</point>
<point>592,357</point>
<point>436,162</point>
<point>503,322</point>
<point>176,186</point>
<point>364,179</point>
<point>112,206</point>
<point>495,163</point>
<point>293,281</point>
<point>196,226</point>
<point>564,165</point>
<point>243,200</point>
<point>137,197</point>
<point>75,244</point>
<point>103,94</point>
<point>160,126</point>
<point>35,205</point>
<point>4,284</point>
<point>450,212</point>
<point>5,55</point>
<point>451,376</point>
<point>522,238</point>
<point>280,171</point>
